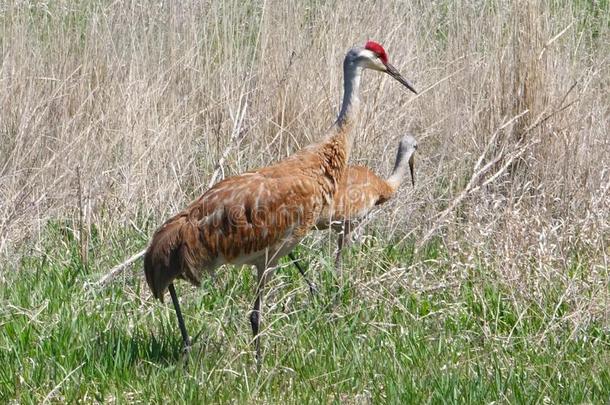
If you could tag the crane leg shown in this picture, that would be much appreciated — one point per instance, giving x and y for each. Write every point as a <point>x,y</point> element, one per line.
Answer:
<point>185,336</point>
<point>255,321</point>
<point>264,273</point>
<point>342,241</point>
<point>312,287</point>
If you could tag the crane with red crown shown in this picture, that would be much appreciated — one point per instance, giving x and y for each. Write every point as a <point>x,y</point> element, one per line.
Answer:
<point>259,216</point>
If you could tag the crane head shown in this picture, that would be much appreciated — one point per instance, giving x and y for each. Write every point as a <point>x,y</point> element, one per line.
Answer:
<point>408,146</point>
<point>373,56</point>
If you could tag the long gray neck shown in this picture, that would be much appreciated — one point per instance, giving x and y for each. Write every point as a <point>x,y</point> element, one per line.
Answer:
<point>351,90</point>
<point>343,128</point>
<point>401,167</point>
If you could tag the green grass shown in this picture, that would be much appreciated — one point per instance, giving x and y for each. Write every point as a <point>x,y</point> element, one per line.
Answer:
<point>65,340</point>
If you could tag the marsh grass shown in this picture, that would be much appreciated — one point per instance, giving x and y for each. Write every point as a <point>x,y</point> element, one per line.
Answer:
<point>64,340</point>
<point>113,116</point>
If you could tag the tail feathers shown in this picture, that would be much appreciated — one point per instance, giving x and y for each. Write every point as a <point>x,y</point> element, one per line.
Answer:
<point>171,255</point>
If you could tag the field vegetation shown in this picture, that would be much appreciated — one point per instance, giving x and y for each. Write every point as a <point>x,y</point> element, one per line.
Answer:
<point>486,282</point>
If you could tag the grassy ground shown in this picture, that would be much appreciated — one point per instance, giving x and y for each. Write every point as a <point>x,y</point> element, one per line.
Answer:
<point>488,281</point>
<point>65,340</point>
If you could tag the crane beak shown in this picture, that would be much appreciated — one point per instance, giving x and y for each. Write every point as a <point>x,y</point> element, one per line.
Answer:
<point>391,70</point>
<point>411,169</point>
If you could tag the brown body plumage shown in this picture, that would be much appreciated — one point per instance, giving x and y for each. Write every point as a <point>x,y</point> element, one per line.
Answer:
<point>248,219</point>
<point>356,196</point>
<point>257,217</point>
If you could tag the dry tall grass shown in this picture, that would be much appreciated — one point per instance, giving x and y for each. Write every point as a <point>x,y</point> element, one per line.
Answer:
<point>116,111</point>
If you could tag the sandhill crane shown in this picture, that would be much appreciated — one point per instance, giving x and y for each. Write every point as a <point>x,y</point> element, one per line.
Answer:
<point>259,216</point>
<point>358,193</point>
<point>362,190</point>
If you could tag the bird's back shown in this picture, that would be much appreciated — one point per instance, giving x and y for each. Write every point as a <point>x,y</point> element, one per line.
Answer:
<point>356,195</point>
<point>236,220</point>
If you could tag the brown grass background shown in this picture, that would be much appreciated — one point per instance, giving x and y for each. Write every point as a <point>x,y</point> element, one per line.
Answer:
<point>113,113</point>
